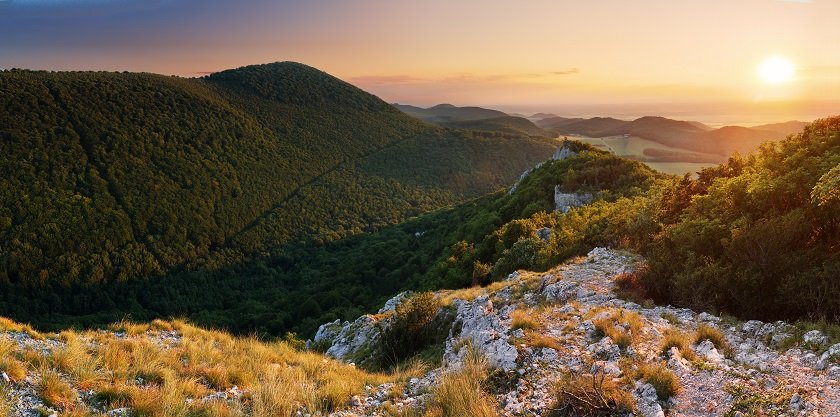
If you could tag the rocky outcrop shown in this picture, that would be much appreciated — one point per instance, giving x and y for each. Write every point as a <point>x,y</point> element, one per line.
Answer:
<point>486,329</point>
<point>563,152</point>
<point>563,306</point>
<point>566,201</point>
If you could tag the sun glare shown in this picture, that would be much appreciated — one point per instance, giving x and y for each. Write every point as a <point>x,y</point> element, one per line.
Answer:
<point>776,70</point>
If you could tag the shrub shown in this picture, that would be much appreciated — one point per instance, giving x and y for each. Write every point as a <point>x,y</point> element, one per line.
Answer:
<point>629,287</point>
<point>679,340</point>
<point>590,395</point>
<point>663,380</point>
<point>714,335</point>
<point>410,329</point>
<point>460,393</point>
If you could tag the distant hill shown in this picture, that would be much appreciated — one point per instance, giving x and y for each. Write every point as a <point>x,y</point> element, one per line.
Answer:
<point>587,127</point>
<point>786,128</point>
<point>449,113</point>
<point>541,116</point>
<point>503,124</point>
<point>476,119</point>
<point>119,176</point>
<point>685,135</point>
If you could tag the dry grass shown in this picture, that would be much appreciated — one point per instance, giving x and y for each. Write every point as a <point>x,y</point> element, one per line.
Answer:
<point>714,335</point>
<point>158,375</point>
<point>523,319</point>
<point>663,380</point>
<point>5,407</point>
<point>471,293</point>
<point>460,393</point>
<point>622,326</point>
<point>590,395</point>
<point>679,340</point>
<point>55,392</point>
<point>538,341</point>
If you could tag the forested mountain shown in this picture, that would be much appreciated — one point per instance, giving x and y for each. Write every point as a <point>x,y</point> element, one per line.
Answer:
<point>509,125</point>
<point>476,119</point>
<point>113,177</point>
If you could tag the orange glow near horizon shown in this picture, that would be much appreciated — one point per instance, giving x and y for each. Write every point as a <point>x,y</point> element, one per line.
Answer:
<point>540,55</point>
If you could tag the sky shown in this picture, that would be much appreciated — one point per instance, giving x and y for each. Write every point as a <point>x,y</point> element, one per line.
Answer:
<point>575,57</point>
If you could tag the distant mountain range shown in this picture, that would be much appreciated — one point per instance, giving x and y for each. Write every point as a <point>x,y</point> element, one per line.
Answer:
<point>692,136</point>
<point>688,136</point>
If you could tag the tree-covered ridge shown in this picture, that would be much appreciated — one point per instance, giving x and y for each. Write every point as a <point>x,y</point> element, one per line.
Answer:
<point>117,176</point>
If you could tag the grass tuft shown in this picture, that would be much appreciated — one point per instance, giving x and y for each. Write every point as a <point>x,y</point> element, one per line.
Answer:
<point>663,380</point>
<point>55,392</point>
<point>460,393</point>
<point>524,320</point>
<point>679,340</point>
<point>590,395</point>
<point>714,335</point>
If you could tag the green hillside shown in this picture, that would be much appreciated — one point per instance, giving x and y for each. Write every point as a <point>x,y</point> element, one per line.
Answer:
<point>113,177</point>
<point>504,124</point>
<point>298,287</point>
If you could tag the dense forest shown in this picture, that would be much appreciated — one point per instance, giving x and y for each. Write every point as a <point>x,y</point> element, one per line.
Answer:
<point>115,177</point>
<point>298,287</point>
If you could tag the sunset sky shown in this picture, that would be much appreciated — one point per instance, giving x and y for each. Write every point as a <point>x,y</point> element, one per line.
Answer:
<point>581,56</point>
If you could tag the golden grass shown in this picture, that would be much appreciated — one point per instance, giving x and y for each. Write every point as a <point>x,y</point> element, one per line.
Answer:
<point>14,369</point>
<point>158,376</point>
<point>590,395</point>
<point>663,380</point>
<point>471,293</point>
<point>622,326</point>
<point>5,407</point>
<point>54,391</point>
<point>460,393</point>
<point>523,319</point>
<point>714,335</point>
<point>538,340</point>
<point>679,340</point>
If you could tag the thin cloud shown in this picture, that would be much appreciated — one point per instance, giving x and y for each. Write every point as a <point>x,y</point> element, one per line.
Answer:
<point>378,80</point>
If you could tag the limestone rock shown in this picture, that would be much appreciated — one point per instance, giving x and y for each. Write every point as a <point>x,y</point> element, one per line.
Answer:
<point>485,329</point>
<point>566,201</point>
<point>646,400</point>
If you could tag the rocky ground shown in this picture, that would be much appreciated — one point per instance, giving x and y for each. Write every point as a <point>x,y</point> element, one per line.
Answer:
<point>535,329</point>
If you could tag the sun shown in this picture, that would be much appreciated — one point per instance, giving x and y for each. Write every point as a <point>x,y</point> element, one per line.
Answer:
<point>776,70</point>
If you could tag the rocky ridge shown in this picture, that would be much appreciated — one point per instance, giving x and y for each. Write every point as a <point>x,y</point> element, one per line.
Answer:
<point>758,369</point>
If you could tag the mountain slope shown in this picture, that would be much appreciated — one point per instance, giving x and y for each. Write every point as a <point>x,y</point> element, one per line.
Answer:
<point>296,287</point>
<point>118,176</point>
<point>504,124</point>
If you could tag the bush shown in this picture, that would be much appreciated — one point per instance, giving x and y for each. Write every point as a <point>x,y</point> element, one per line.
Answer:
<point>590,395</point>
<point>410,329</point>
